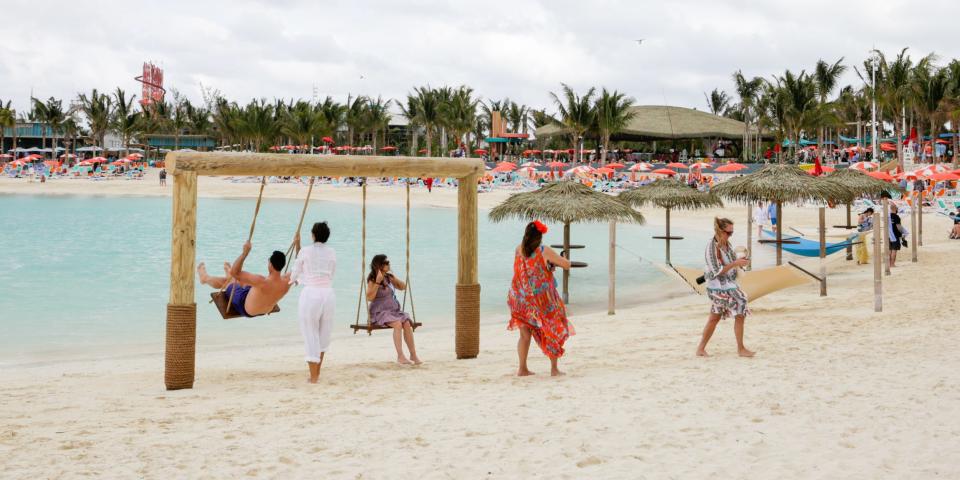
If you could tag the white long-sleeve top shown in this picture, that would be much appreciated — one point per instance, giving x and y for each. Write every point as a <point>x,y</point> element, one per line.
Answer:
<point>315,266</point>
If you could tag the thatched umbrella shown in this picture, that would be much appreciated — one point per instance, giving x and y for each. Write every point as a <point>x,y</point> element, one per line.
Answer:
<point>782,184</point>
<point>858,183</point>
<point>670,194</point>
<point>565,202</point>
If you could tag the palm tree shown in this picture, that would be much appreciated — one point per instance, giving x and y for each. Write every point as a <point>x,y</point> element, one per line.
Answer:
<point>930,87</point>
<point>377,119</point>
<point>126,118</point>
<point>8,119</point>
<point>98,108</point>
<point>461,114</point>
<point>539,118</point>
<point>38,113</point>
<point>952,106</point>
<point>717,101</point>
<point>800,94</point>
<point>444,97</point>
<point>411,110</point>
<point>179,120</point>
<point>70,129</point>
<point>576,113</point>
<point>331,114</point>
<point>355,116</point>
<point>747,90</point>
<point>429,111</point>
<point>826,77</point>
<point>894,91</point>
<point>258,124</point>
<point>301,123</point>
<point>613,112</point>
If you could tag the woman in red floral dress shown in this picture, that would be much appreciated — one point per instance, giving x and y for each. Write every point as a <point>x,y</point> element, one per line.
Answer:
<point>535,305</point>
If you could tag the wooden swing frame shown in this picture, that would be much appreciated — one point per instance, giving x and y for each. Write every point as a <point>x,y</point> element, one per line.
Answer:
<point>185,167</point>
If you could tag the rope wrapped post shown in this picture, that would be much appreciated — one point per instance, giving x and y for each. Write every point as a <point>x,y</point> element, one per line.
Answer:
<point>467,341</point>
<point>181,341</point>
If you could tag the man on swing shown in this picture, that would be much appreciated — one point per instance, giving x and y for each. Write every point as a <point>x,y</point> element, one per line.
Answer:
<point>250,295</point>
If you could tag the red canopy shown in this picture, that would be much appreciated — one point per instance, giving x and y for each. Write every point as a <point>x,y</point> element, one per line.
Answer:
<point>422,150</point>
<point>944,176</point>
<point>676,165</point>
<point>388,148</point>
<point>616,165</point>
<point>730,167</point>
<point>664,171</point>
<point>327,140</point>
<point>479,151</point>
<point>556,164</point>
<point>881,175</point>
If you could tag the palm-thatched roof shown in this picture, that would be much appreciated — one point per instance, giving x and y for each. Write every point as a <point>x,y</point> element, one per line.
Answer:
<point>565,202</point>
<point>859,182</point>
<point>652,122</point>
<point>783,184</point>
<point>669,193</point>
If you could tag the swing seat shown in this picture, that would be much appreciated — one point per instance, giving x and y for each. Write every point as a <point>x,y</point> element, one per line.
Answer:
<point>222,301</point>
<point>370,327</point>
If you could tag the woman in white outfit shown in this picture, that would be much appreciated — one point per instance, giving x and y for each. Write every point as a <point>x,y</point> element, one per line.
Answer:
<point>314,269</point>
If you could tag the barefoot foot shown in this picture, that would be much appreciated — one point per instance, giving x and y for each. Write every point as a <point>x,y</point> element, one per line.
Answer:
<point>416,360</point>
<point>702,353</point>
<point>743,352</point>
<point>523,372</point>
<point>311,380</point>
<point>556,373</point>
<point>404,361</point>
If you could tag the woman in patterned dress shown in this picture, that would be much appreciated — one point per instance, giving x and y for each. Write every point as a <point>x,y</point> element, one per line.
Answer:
<point>535,305</point>
<point>722,267</point>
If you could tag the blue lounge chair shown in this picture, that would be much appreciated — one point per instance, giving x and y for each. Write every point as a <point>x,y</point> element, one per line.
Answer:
<point>809,248</point>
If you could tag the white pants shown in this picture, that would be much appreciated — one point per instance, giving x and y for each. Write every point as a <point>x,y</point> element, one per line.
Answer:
<point>316,308</point>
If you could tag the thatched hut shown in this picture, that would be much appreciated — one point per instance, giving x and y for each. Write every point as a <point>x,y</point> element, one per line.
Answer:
<point>565,202</point>
<point>782,184</point>
<point>669,194</point>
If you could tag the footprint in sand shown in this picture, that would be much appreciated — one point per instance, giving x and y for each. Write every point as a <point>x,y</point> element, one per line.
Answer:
<point>589,461</point>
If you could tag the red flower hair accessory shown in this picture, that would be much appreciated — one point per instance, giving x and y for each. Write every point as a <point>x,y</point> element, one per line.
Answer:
<point>540,226</point>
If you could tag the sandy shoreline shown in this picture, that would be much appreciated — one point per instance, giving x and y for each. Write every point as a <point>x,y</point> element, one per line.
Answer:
<point>835,391</point>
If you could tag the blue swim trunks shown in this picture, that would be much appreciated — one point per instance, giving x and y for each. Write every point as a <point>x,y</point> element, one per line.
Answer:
<point>238,295</point>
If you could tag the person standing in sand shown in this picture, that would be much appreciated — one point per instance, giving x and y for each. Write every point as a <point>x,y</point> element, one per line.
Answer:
<point>721,270</point>
<point>536,308</point>
<point>314,269</point>
<point>385,309</point>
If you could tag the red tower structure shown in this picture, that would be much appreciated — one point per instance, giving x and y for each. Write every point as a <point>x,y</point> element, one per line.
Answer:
<point>152,80</point>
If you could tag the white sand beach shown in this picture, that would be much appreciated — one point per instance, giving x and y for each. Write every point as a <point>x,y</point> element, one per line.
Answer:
<point>835,390</point>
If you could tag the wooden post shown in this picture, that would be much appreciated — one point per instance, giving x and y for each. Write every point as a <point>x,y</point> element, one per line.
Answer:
<point>779,227</point>
<point>566,272</point>
<point>749,234</point>
<point>877,273</point>
<point>919,238</point>
<point>823,251</point>
<point>886,236</point>
<point>849,247</point>
<point>612,287</point>
<point>181,343</point>
<point>668,237</point>
<point>913,228</point>
<point>468,286</point>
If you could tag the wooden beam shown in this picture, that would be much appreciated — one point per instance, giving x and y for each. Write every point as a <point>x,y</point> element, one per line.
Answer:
<point>283,164</point>
<point>877,261</point>
<point>182,255</point>
<point>467,230</point>
<point>612,285</point>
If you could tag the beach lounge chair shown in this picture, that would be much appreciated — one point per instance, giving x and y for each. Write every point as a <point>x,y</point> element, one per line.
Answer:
<point>809,248</point>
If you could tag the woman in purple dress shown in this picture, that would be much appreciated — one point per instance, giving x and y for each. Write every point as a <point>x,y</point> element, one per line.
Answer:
<point>385,309</point>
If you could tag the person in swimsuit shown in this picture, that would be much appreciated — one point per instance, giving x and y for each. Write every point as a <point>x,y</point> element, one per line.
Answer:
<point>250,295</point>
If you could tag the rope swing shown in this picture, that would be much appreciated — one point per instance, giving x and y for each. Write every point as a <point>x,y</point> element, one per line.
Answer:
<point>361,299</point>
<point>218,298</point>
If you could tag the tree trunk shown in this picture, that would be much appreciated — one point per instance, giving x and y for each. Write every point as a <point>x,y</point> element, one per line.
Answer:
<point>603,154</point>
<point>415,142</point>
<point>429,142</point>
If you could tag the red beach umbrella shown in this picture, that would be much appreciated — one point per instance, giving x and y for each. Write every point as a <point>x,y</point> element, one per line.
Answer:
<point>944,176</point>
<point>479,151</point>
<point>389,148</point>
<point>730,167</point>
<point>676,165</point>
<point>881,175</point>
<point>616,165</point>
<point>327,140</point>
<point>664,171</point>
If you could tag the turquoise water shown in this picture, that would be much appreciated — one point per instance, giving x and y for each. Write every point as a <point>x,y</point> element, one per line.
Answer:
<point>90,274</point>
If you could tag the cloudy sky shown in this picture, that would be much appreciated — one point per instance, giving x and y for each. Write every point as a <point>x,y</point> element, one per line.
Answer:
<point>521,49</point>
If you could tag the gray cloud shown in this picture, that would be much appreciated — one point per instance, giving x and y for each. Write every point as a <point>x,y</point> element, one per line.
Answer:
<point>520,49</point>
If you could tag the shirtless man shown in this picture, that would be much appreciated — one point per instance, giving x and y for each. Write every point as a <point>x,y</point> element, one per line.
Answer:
<point>252,295</point>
